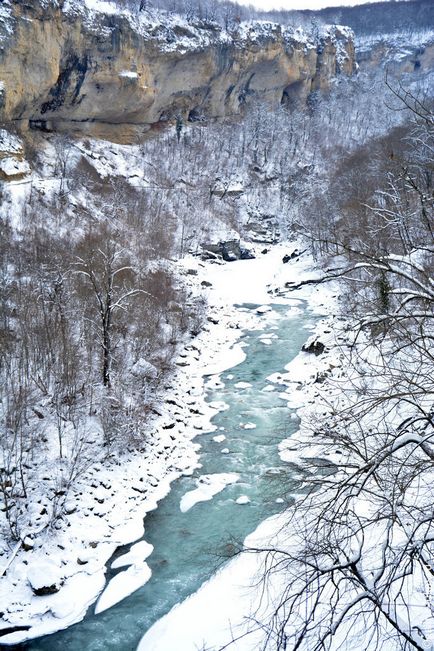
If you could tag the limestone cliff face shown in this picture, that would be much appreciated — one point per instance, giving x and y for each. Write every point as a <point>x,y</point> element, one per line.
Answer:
<point>65,67</point>
<point>398,56</point>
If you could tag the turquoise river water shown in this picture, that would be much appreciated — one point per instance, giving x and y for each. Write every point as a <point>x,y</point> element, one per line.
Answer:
<point>188,547</point>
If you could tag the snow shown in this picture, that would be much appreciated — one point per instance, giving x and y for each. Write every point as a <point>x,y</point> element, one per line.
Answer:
<point>243,499</point>
<point>207,487</point>
<point>57,611</point>
<point>242,385</point>
<point>44,574</point>
<point>9,143</point>
<point>138,553</point>
<point>5,14</point>
<point>247,425</point>
<point>219,438</point>
<point>102,6</point>
<point>218,405</point>
<point>230,357</point>
<point>144,369</point>
<point>396,41</point>
<point>171,453</point>
<point>128,74</point>
<point>197,623</point>
<point>122,585</point>
<point>11,167</point>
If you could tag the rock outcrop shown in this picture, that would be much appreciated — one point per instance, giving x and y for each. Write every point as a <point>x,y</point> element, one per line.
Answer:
<point>398,55</point>
<point>229,251</point>
<point>13,166</point>
<point>106,73</point>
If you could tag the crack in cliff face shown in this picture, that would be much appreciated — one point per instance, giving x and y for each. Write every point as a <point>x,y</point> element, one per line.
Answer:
<point>118,77</point>
<point>69,83</point>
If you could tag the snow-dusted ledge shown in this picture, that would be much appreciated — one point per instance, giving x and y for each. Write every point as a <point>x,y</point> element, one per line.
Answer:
<point>109,503</point>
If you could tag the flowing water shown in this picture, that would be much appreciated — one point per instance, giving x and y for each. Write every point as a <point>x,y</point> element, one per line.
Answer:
<point>189,546</point>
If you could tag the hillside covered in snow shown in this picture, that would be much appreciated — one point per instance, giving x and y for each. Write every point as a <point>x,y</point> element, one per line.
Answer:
<point>174,182</point>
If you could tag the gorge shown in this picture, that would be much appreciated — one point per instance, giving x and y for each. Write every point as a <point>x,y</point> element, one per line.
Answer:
<point>215,218</point>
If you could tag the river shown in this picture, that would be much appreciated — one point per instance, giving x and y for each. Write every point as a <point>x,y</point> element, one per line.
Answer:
<point>190,545</point>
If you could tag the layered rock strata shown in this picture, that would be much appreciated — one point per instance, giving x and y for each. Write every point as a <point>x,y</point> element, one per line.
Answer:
<point>112,74</point>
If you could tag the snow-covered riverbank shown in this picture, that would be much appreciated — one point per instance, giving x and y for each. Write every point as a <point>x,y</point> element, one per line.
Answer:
<point>225,608</point>
<point>108,504</point>
<point>250,602</point>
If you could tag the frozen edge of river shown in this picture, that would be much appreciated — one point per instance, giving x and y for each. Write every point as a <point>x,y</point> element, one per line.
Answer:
<point>82,547</point>
<point>223,609</point>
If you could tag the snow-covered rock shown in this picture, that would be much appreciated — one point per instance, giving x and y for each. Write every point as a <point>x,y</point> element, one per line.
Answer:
<point>10,144</point>
<point>12,169</point>
<point>247,425</point>
<point>242,385</point>
<point>144,369</point>
<point>45,578</point>
<point>263,309</point>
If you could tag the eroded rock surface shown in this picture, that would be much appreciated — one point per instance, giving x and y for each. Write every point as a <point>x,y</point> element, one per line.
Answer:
<point>65,67</point>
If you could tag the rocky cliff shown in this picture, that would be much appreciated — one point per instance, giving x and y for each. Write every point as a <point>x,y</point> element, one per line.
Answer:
<point>399,55</point>
<point>95,70</point>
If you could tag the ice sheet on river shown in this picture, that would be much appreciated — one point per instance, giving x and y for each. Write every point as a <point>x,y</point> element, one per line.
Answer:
<point>207,487</point>
<point>122,585</point>
<point>138,553</point>
<point>227,359</point>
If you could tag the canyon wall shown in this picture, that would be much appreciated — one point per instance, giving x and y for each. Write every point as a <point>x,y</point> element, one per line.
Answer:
<point>111,74</point>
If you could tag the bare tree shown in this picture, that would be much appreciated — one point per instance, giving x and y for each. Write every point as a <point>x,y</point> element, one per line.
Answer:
<point>110,274</point>
<point>356,557</point>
